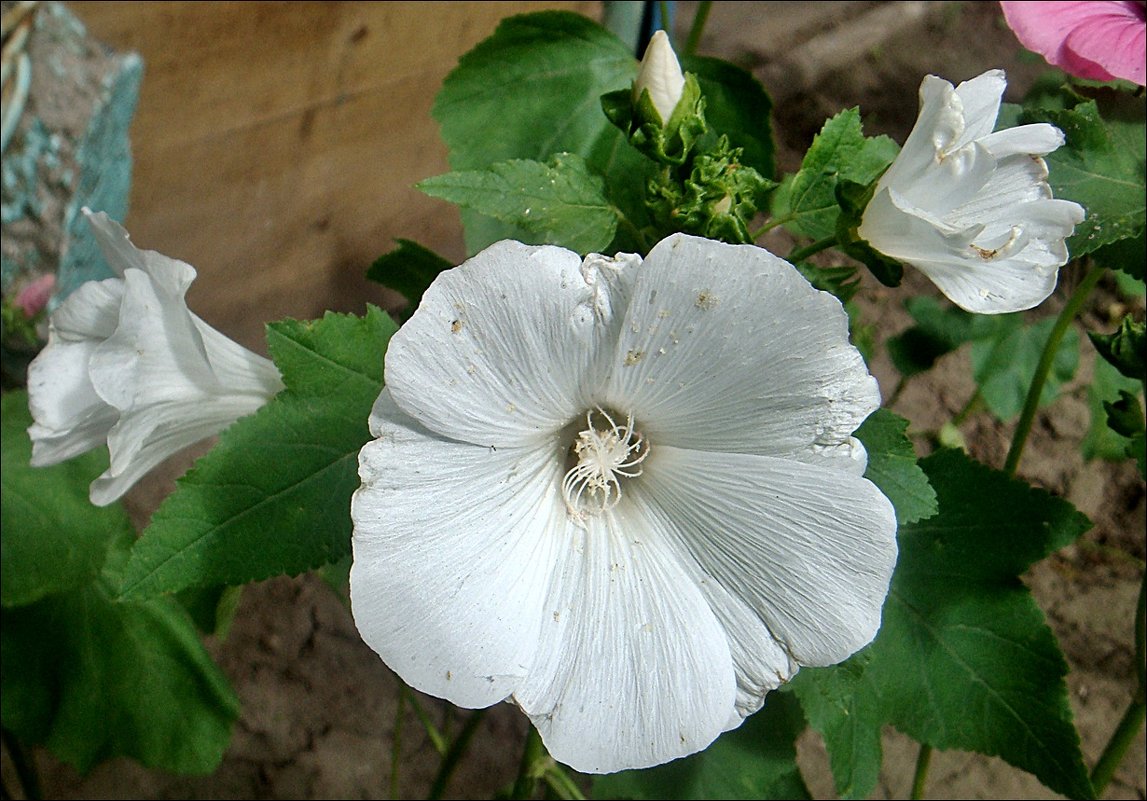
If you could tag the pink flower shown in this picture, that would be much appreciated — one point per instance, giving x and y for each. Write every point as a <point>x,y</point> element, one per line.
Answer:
<point>1096,40</point>
<point>34,297</point>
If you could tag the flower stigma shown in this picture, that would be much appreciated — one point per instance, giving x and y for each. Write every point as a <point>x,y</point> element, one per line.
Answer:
<point>600,454</point>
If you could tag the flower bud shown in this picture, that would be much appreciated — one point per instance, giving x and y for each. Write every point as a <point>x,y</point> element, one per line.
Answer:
<point>661,76</point>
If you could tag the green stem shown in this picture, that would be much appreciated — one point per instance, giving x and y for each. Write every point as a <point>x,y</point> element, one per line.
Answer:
<point>562,785</point>
<point>799,254</point>
<point>973,404</point>
<point>896,393</point>
<point>1121,740</point>
<point>770,225</point>
<point>1031,404</point>
<point>25,766</point>
<point>923,759</point>
<point>454,755</point>
<point>699,20</point>
<point>1128,729</point>
<point>527,779</point>
<point>436,737</point>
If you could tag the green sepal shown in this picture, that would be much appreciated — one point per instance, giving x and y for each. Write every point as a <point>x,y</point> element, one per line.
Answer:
<point>717,199</point>
<point>1125,349</point>
<point>853,199</point>
<point>663,141</point>
<point>1125,417</point>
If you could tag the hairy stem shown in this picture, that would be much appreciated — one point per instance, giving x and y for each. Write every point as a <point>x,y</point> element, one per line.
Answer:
<point>1031,403</point>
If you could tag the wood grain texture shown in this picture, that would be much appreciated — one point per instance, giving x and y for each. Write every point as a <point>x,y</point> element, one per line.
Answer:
<point>276,144</point>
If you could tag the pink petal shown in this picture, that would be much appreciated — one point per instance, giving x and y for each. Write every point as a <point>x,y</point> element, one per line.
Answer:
<point>34,297</point>
<point>1094,40</point>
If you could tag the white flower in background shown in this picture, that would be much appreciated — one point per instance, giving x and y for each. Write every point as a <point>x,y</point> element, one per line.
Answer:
<point>661,76</point>
<point>623,494</point>
<point>971,208</point>
<point>127,364</point>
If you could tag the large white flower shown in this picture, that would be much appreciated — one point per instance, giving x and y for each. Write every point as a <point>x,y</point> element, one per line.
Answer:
<point>623,494</point>
<point>128,364</point>
<point>971,208</point>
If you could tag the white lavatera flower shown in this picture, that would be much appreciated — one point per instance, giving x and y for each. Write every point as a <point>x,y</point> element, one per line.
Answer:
<point>971,208</point>
<point>620,493</point>
<point>660,74</point>
<point>129,365</point>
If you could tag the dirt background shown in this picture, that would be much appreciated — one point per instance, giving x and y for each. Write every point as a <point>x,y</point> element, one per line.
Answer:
<point>319,709</point>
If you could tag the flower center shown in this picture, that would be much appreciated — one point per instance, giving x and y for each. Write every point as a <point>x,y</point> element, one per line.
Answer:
<point>601,455</point>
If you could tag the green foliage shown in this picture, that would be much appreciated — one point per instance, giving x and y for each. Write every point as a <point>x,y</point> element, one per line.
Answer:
<point>1004,363</point>
<point>533,89</point>
<point>87,676</point>
<point>1102,168</point>
<point>1125,417</point>
<point>892,466</point>
<point>939,330</point>
<point>114,678</point>
<point>1005,351</point>
<point>1125,349</point>
<point>410,268</point>
<point>807,200</point>
<point>757,760</point>
<point>53,538</point>
<point>1106,387</point>
<point>964,658</point>
<point>559,202</point>
<point>238,516</point>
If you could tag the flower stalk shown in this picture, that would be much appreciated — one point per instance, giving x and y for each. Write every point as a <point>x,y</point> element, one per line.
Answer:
<point>1035,390</point>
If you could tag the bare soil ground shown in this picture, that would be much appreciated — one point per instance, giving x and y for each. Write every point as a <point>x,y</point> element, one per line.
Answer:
<point>321,713</point>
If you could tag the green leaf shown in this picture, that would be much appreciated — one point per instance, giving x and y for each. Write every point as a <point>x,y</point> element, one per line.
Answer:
<point>1106,385</point>
<point>409,269</point>
<point>842,705</point>
<point>1126,349</point>
<point>561,202</point>
<point>533,89</point>
<point>892,466</point>
<point>1125,417</point>
<point>757,760</point>
<point>1129,258</point>
<point>839,152</point>
<point>53,538</point>
<point>961,631</point>
<point>1005,363</point>
<point>737,106</point>
<point>273,496</point>
<point>92,678</point>
<point>1101,167</point>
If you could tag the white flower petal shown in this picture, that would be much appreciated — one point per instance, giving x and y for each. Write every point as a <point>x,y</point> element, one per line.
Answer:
<point>975,219</point>
<point>810,549</point>
<point>505,348</point>
<point>453,545</point>
<point>728,348</point>
<point>127,363</point>
<point>1037,139</point>
<point>141,440</point>
<point>633,668</point>
<point>980,98</point>
<point>660,75</point>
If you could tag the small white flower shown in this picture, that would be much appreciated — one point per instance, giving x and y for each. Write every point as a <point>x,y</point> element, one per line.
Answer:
<point>971,208</point>
<point>661,76</point>
<point>128,364</point>
<point>623,494</point>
